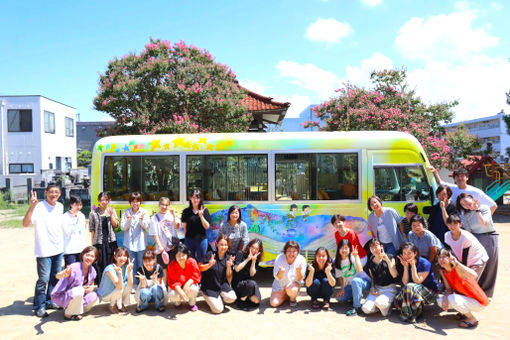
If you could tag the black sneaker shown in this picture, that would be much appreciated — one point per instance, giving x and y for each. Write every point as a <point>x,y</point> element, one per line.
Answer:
<point>354,311</point>
<point>41,312</point>
<point>52,305</point>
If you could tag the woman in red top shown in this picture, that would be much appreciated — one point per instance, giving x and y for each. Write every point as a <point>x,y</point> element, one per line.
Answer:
<point>462,291</point>
<point>183,277</point>
<point>344,233</point>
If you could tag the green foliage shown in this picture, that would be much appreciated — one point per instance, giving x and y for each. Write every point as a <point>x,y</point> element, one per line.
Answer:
<point>507,122</point>
<point>392,105</point>
<point>84,158</point>
<point>462,143</point>
<point>171,89</point>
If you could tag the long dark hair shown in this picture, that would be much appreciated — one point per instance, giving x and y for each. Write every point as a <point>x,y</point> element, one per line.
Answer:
<point>246,250</point>
<point>314,262</point>
<point>338,258</point>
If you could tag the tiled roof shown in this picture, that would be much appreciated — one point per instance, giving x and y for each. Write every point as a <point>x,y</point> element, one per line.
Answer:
<point>256,102</point>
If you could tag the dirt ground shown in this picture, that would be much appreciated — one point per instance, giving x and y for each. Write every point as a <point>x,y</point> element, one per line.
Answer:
<point>18,322</point>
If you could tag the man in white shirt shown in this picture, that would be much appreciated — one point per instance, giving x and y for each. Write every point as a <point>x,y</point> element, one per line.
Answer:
<point>46,216</point>
<point>460,177</point>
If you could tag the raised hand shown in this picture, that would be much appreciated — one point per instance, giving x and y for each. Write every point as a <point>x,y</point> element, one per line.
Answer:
<point>33,198</point>
<point>354,251</point>
<point>212,261</point>
<point>253,257</point>
<point>154,276</point>
<point>201,211</point>
<point>476,205</point>
<point>130,265</point>
<point>230,261</point>
<point>311,268</point>
<point>118,270</point>
<point>404,262</point>
<point>442,205</point>
<point>140,276</point>
<point>281,270</point>
<point>384,255</point>
<point>328,268</point>
<point>128,215</point>
<point>66,272</point>
<point>142,215</point>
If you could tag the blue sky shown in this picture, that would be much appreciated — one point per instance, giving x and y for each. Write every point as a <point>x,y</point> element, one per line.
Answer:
<point>293,50</point>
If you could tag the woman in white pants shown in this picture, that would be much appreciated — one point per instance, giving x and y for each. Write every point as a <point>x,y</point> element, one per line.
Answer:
<point>383,272</point>
<point>183,277</point>
<point>217,276</point>
<point>117,281</point>
<point>74,290</point>
<point>463,293</point>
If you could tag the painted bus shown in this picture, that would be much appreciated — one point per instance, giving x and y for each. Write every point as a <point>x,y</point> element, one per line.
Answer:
<point>288,184</point>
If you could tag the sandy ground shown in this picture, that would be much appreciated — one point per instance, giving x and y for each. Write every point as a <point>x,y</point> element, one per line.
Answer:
<point>17,321</point>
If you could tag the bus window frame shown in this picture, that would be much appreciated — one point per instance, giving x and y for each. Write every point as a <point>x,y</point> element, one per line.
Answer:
<point>402,165</point>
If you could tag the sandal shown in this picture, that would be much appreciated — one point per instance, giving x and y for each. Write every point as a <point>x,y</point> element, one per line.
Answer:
<point>325,306</point>
<point>315,304</point>
<point>161,309</point>
<point>73,318</point>
<point>138,309</point>
<point>468,324</point>
<point>460,316</point>
<point>113,309</point>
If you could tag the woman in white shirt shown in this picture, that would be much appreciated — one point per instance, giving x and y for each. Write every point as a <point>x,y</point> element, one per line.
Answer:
<point>73,223</point>
<point>289,272</point>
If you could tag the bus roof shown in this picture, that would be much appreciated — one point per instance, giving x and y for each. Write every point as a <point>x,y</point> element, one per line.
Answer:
<point>224,142</point>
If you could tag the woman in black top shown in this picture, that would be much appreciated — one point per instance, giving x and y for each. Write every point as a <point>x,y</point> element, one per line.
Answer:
<point>195,221</point>
<point>383,272</point>
<point>217,275</point>
<point>441,211</point>
<point>246,266</point>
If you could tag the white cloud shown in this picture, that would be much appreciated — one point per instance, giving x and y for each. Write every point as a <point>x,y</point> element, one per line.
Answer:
<point>371,3</point>
<point>328,30</point>
<point>445,37</point>
<point>479,84</point>
<point>310,77</point>
<point>253,85</point>
<point>360,75</point>
<point>297,104</point>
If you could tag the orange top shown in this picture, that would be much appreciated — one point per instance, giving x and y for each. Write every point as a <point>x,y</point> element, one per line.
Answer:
<point>468,287</point>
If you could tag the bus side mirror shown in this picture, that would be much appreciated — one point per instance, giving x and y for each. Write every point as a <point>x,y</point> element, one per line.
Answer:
<point>427,210</point>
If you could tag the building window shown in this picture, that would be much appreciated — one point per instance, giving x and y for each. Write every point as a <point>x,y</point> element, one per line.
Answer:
<point>19,120</point>
<point>69,127</point>
<point>19,168</point>
<point>49,122</point>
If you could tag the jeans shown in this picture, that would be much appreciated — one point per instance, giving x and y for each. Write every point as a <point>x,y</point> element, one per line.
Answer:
<point>47,268</point>
<point>197,248</point>
<point>389,248</point>
<point>137,255</point>
<point>153,294</point>
<point>71,258</point>
<point>355,291</point>
<point>320,289</point>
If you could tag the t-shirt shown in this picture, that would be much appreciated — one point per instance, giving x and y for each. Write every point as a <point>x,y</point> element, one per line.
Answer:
<point>319,274</point>
<point>425,242</point>
<point>164,227</point>
<point>436,221</point>
<point>106,287</point>
<point>49,234</point>
<point>423,265</point>
<point>290,271</point>
<point>236,234</point>
<point>214,280</point>
<point>243,274</point>
<point>466,286</point>
<point>472,223</point>
<point>379,272</point>
<point>467,248</point>
<point>194,228</point>
<point>477,194</point>
<point>142,270</point>
<point>353,239</point>
<point>347,270</point>
<point>74,232</point>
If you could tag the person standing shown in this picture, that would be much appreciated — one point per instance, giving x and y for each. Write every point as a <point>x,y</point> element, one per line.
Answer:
<point>195,221</point>
<point>102,223</point>
<point>385,224</point>
<point>46,216</point>
<point>73,223</point>
<point>441,211</point>
<point>235,229</point>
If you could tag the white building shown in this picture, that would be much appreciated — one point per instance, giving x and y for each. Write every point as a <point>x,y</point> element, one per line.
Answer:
<point>37,133</point>
<point>490,129</point>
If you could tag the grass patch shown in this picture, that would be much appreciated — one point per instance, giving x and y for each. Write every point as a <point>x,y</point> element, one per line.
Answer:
<point>15,223</point>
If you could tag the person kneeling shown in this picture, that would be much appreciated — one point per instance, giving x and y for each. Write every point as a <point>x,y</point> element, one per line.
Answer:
<point>183,278</point>
<point>462,291</point>
<point>151,287</point>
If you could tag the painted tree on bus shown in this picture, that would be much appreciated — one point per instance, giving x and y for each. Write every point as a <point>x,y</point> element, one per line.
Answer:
<point>171,89</point>
<point>392,105</point>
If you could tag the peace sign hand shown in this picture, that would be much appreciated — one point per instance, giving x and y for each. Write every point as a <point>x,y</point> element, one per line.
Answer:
<point>154,276</point>
<point>130,265</point>
<point>354,251</point>
<point>33,198</point>
<point>110,211</point>
<point>230,261</point>
<point>212,261</point>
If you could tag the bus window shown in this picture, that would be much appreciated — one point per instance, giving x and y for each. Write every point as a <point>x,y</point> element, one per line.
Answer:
<point>401,183</point>
<point>228,177</point>
<point>153,176</point>
<point>317,176</point>
<point>160,177</point>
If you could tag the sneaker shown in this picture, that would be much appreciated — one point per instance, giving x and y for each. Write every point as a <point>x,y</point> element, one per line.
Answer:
<point>41,312</point>
<point>193,308</point>
<point>52,305</point>
<point>354,311</point>
<point>293,303</point>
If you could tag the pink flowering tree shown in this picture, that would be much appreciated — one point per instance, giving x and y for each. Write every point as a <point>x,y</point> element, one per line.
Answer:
<point>392,105</point>
<point>171,89</point>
